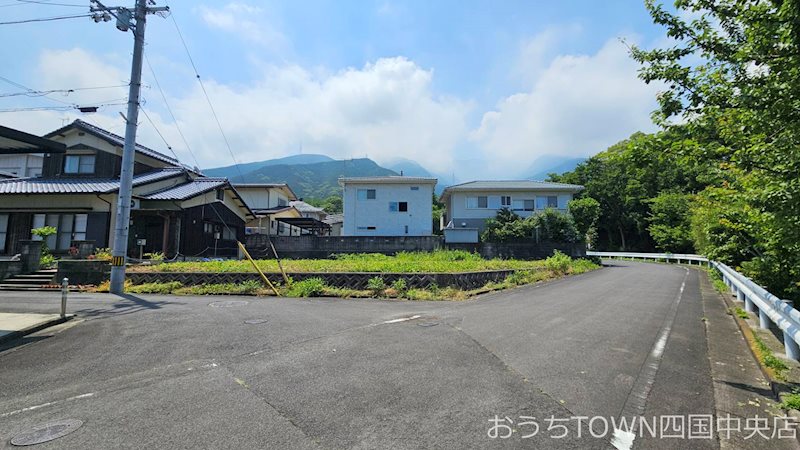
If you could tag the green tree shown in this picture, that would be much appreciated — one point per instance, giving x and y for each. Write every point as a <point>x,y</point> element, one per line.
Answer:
<point>585,212</point>
<point>732,78</point>
<point>553,226</point>
<point>670,222</point>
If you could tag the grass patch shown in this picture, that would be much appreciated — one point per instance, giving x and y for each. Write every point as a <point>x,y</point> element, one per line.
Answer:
<point>741,313</point>
<point>768,359</point>
<point>527,272</point>
<point>791,401</point>
<point>444,261</point>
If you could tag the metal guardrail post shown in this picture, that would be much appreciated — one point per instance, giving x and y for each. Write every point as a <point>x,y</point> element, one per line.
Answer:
<point>749,306</point>
<point>763,319</point>
<point>792,349</point>
<point>64,290</point>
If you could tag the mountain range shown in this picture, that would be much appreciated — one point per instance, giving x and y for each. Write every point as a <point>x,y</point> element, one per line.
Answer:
<point>314,176</point>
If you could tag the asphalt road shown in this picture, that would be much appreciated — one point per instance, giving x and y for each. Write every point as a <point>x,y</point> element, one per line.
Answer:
<point>174,372</point>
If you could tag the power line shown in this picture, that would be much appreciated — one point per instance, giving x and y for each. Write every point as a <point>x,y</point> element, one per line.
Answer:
<point>34,93</point>
<point>169,109</point>
<point>35,2</point>
<point>45,19</point>
<point>21,86</point>
<point>58,108</point>
<point>208,99</point>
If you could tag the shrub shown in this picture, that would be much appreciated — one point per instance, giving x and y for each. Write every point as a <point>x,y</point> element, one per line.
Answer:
<point>155,256</point>
<point>400,285</point>
<point>553,226</point>
<point>376,285</point>
<point>585,212</point>
<point>559,263</point>
<point>311,287</point>
<point>102,254</point>
<point>47,260</point>
<point>154,288</point>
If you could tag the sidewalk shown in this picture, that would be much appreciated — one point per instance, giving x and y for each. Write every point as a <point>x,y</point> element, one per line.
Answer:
<point>15,325</point>
<point>740,390</point>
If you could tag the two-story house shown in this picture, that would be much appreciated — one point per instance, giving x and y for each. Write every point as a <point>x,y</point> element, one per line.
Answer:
<point>272,205</point>
<point>174,208</point>
<point>387,206</point>
<point>469,205</point>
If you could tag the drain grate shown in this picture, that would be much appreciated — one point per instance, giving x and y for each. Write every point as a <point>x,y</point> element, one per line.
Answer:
<point>227,303</point>
<point>46,432</point>
<point>255,321</point>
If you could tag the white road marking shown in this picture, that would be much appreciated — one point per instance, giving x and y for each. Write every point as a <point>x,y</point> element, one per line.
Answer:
<point>402,319</point>
<point>622,440</point>
<point>44,405</point>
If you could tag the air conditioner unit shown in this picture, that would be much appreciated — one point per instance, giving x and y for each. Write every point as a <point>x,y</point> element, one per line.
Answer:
<point>136,203</point>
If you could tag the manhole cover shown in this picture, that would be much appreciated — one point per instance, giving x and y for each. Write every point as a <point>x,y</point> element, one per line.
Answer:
<point>427,323</point>
<point>46,432</point>
<point>255,321</point>
<point>227,303</point>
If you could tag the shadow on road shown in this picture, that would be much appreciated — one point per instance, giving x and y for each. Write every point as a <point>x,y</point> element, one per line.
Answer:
<point>129,304</point>
<point>20,341</point>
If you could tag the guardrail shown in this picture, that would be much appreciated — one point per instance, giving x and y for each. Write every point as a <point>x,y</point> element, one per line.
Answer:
<point>651,256</point>
<point>756,299</point>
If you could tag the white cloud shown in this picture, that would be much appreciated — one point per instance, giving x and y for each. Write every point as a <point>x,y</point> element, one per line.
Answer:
<point>579,105</point>
<point>246,21</point>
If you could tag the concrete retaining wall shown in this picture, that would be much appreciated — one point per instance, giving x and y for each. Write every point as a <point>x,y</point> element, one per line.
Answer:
<point>83,271</point>
<point>9,269</point>
<point>310,246</point>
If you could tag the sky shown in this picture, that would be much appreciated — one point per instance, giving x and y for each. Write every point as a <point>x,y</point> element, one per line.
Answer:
<point>477,89</point>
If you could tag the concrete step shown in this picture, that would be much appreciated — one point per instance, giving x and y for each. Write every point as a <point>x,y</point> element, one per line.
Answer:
<point>34,276</point>
<point>19,282</point>
<point>23,288</point>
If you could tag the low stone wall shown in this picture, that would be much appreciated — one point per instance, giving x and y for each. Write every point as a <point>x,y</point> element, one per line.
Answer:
<point>9,269</point>
<point>83,271</point>
<point>352,280</point>
<point>318,247</point>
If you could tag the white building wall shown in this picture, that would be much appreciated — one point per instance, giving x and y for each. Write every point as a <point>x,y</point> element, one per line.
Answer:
<point>457,203</point>
<point>22,165</point>
<point>361,214</point>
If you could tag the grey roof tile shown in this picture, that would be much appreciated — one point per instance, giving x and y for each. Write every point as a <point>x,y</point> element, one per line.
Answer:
<point>188,190</point>
<point>79,185</point>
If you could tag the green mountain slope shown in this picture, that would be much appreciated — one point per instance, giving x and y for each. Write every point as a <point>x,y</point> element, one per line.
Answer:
<point>314,181</point>
<point>244,168</point>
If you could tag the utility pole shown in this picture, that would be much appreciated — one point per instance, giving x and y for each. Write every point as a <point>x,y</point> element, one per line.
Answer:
<point>124,23</point>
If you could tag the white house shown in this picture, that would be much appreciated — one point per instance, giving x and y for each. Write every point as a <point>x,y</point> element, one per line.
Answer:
<point>469,205</point>
<point>388,206</point>
<point>270,202</point>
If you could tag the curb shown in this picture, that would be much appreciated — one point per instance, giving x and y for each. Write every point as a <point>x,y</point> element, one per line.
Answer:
<point>777,387</point>
<point>34,328</point>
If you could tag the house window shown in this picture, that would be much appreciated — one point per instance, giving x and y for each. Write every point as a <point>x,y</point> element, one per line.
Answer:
<point>221,194</point>
<point>414,188</point>
<point>398,206</point>
<point>480,202</point>
<point>369,228</point>
<point>69,227</point>
<point>522,205</point>
<point>281,202</point>
<point>228,234</point>
<point>3,232</point>
<point>505,201</point>
<point>550,201</point>
<point>79,164</point>
<point>366,194</point>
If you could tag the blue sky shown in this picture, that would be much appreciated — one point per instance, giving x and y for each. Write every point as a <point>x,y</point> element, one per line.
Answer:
<point>477,88</point>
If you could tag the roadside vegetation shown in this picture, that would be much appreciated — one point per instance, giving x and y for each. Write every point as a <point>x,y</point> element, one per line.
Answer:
<point>720,178</point>
<point>527,272</point>
<point>405,262</point>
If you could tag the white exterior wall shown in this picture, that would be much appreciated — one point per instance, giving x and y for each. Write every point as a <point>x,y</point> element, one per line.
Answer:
<point>22,165</point>
<point>457,203</point>
<point>375,213</point>
<point>261,197</point>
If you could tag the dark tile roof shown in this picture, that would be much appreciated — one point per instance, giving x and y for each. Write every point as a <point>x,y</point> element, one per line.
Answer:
<point>115,139</point>
<point>188,190</point>
<point>79,185</point>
